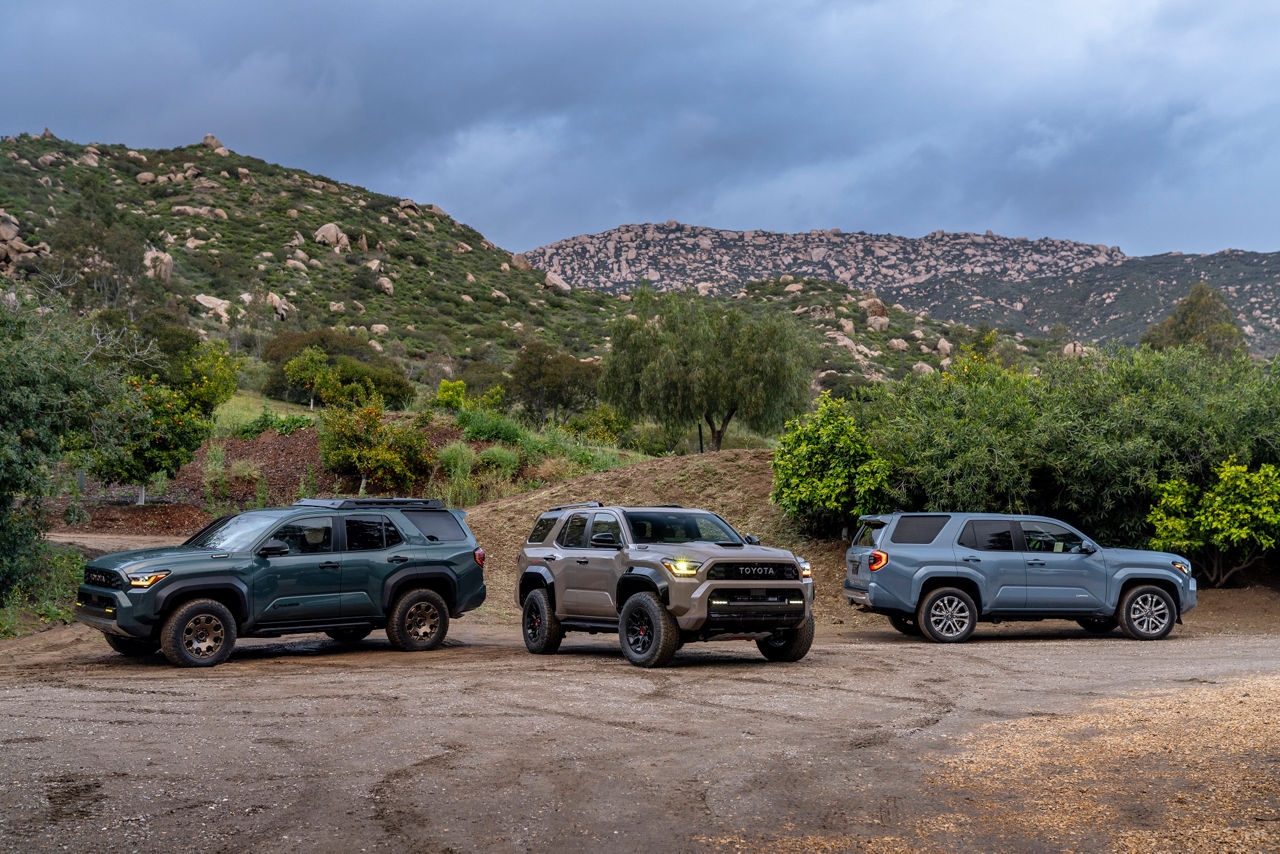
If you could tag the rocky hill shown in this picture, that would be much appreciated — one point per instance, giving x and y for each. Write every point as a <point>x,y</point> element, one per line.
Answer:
<point>1096,292</point>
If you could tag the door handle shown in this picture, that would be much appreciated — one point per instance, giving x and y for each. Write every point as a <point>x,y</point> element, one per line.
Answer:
<point>329,564</point>
<point>397,559</point>
<point>972,559</point>
<point>582,560</point>
<point>1035,563</point>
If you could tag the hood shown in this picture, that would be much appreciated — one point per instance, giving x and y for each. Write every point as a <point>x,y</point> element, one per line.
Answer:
<point>148,558</point>
<point>711,551</point>
<point>1141,557</point>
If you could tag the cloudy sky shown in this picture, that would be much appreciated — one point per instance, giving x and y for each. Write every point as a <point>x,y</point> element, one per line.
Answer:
<point>1152,124</point>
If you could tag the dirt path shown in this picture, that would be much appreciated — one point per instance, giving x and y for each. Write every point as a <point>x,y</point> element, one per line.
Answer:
<point>873,741</point>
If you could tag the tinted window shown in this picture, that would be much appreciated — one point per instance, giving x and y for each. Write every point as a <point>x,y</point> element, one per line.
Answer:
<point>988,535</point>
<point>574,534</point>
<point>918,529</point>
<point>868,535</point>
<point>436,525</point>
<point>680,526</point>
<point>370,533</point>
<point>1048,537</point>
<point>307,536</point>
<point>606,523</point>
<point>541,528</point>
<point>234,533</point>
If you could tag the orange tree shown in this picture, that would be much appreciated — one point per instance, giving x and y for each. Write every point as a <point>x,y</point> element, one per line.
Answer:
<point>359,437</point>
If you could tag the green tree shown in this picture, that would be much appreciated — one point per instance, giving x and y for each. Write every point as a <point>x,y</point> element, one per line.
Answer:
<point>547,380</point>
<point>207,378</point>
<point>310,371</point>
<point>824,471</point>
<point>681,360</point>
<point>359,438</point>
<point>59,375</point>
<point>1231,525</point>
<point>1201,318</point>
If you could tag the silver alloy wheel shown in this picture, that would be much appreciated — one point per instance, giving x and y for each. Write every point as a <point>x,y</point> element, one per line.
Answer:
<point>949,616</point>
<point>422,621</point>
<point>1149,613</point>
<point>203,635</point>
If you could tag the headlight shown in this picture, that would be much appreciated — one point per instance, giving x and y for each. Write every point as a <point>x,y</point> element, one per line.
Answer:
<point>682,568</point>
<point>1186,570</point>
<point>146,579</point>
<point>806,571</point>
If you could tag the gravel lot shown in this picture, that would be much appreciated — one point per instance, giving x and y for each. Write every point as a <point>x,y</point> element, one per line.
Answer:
<point>1039,739</point>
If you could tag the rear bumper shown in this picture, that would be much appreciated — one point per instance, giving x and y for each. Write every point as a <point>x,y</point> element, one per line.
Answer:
<point>475,600</point>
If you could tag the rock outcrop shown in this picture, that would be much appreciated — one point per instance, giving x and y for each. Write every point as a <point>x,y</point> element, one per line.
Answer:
<point>330,235</point>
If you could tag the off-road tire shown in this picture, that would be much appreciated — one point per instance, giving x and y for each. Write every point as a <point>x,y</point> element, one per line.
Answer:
<point>541,629</point>
<point>199,633</point>
<point>788,644</point>
<point>907,625</point>
<point>647,632</point>
<point>1099,625</point>
<point>947,615</point>
<point>419,621</point>
<point>349,635</point>
<point>132,647</point>
<point>1147,612</point>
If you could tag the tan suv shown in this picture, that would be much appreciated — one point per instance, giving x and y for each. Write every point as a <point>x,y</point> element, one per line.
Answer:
<point>660,577</point>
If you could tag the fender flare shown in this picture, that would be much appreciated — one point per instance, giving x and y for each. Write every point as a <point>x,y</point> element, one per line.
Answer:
<point>536,576</point>
<point>944,572</point>
<point>1148,574</point>
<point>643,577</point>
<point>222,583</point>
<point>398,579</point>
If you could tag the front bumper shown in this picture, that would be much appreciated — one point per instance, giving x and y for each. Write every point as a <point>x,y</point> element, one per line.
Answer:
<point>746,607</point>
<point>111,612</point>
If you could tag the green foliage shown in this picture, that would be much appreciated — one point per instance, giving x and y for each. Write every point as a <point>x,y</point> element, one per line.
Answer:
<point>207,378</point>
<point>548,381</point>
<point>1230,525</point>
<point>457,460</point>
<point>504,461</point>
<point>268,420</point>
<point>603,424</point>
<point>158,431</point>
<point>353,361</point>
<point>310,372</point>
<point>359,438</point>
<point>683,360</point>
<point>452,395</point>
<point>824,470</point>
<point>44,592</point>
<point>214,477</point>
<point>1202,318</point>
<point>480,425</point>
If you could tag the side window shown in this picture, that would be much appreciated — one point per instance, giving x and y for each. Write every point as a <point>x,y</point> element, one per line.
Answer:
<point>436,525</point>
<point>606,523</point>
<point>574,535</point>
<point>1048,537</point>
<point>309,536</point>
<point>541,528</point>
<point>918,530</point>
<point>364,533</point>
<point>987,535</point>
<point>391,533</point>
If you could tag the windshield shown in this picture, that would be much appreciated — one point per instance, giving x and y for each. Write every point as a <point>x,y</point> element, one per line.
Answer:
<point>234,533</point>
<point>677,526</point>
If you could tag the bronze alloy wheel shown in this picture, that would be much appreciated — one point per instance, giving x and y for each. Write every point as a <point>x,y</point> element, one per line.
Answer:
<point>203,636</point>
<point>422,621</point>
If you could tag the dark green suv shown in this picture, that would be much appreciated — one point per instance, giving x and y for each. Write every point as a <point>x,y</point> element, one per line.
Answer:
<point>341,566</point>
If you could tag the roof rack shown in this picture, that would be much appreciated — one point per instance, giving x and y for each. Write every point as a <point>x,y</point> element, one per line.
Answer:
<point>579,504</point>
<point>357,503</point>
<point>679,506</point>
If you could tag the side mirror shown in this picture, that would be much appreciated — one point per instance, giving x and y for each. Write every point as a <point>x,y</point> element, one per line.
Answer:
<point>605,540</point>
<point>1087,548</point>
<point>273,548</point>
<point>752,540</point>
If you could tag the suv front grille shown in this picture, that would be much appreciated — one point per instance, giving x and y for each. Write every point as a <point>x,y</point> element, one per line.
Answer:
<point>753,571</point>
<point>103,578</point>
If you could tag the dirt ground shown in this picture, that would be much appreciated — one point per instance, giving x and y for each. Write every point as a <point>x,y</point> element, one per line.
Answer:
<point>1048,741</point>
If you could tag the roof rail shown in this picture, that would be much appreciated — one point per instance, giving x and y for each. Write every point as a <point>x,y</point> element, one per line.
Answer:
<point>357,503</point>
<point>579,504</point>
<point>680,506</point>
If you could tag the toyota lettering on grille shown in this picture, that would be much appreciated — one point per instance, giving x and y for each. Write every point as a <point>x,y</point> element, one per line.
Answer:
<point>758,570</point>
<point>100,578</point>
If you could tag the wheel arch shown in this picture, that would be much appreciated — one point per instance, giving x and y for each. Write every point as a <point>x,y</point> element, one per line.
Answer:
<point>231,592</point>
<point>531,579</point>
<point>1169,583</point>
<point>638,579</point>
<point>436,578</point>
<point>961,582</point>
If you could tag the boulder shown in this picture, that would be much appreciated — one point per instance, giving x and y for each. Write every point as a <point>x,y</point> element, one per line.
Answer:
<point>555,281</point>
<point>299,255</point>
<point>295,264</point>
<point>133,155</point>
<point>1074,350</point>
<point>794,289</point>
<point>471,279</point>
<point>358,306</point>
<point>917,334</point>
<point>190,210</point>
<point>874,307</point>
<point>145,178</point>
<point>373,264</point>
<point>292,213</point>
<point>497,294</point>
<point>784,279</point>
<point>221,152</point>
<point>520,262</point>
<point>330,235</point>
<point>897,344</point>
<point>244,176</point>
<point>363,243</point>
<point>921,368</point>
<point>280,305</point>
<point>944,347</point>
<point>88,159</point>
<point>339,307</point>
<point>158,265</point>
<point>218,307</point>
<point>384,285</point>
<point>375,345</point>
<point>463,247</point>
<point>877,323</point>
<point>47,160</point>
<point>379,329</point>
<point>211,141</point>
<point>467,298</point>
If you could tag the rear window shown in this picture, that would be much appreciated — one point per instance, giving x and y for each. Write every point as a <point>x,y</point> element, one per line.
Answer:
<point>436,525</point>
<point>541,528</point>
<point>918,530</point>
<point>868,535</point>
<point>988,535</point>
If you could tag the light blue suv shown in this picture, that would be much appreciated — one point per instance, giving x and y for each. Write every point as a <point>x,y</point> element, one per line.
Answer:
<point>938,574</point>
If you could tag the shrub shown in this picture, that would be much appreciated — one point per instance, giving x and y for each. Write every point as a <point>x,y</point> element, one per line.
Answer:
<point>360,439</point>
<point>480,425</point>
<point>268,420</point>
<point>503,461</point>
<point>451,395</point>
<point>457,460</point>
<point>245,470</point>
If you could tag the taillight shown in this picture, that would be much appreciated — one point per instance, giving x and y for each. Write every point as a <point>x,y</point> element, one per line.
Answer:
<point>877,560</point>
<point>479,553</point>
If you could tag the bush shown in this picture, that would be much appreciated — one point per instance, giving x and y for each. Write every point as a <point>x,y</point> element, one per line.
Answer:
<point>452,395</point>
<point>480,425</point>
<point>268,420</point>
<point>245,470</point>
<point>457,460</point>
<point>503,461</point>
<point>46,592</point>
<point>360,439</point>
